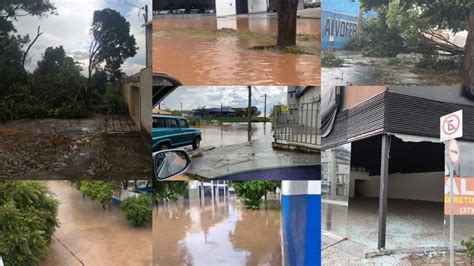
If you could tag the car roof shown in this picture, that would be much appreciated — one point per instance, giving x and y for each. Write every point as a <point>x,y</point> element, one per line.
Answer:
<point>168,116</point>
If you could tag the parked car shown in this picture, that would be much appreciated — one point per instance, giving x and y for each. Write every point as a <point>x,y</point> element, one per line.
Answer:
<point>173,132</point>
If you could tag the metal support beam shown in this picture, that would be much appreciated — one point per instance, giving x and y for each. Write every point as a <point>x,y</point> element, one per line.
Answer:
<point>384,160</point>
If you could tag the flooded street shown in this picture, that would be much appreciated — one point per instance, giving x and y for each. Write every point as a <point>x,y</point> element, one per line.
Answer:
<point>360,70</point>
<point>233,133</point>
<point>223,232</point>
<point>220,51</point>
<point>92,236</point>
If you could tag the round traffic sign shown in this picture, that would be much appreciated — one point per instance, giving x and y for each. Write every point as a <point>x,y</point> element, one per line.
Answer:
<point>454,151</point>
<point>451,124</point>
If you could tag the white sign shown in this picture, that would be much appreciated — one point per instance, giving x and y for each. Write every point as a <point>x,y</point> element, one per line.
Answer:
<point>454,151</point>
<point>451,126</point>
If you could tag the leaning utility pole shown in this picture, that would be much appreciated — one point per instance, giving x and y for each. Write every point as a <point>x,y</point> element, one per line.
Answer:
<point>249,114</point>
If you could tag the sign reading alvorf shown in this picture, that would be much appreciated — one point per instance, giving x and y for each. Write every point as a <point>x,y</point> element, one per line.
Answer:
<point>451,126</point>
<point>463,191</point>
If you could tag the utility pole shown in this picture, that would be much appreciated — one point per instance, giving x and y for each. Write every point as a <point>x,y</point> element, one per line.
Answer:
<point>249,114</point>
<point>181,103</point>
<point>265,110</point>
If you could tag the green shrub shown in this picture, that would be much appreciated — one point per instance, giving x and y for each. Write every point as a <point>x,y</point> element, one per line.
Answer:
<point>28,219</point>
<point>252,191</point>
<point>171,191</point>
<point>330,60</point>
<point>469,245</point>
<point>138,210</point>
<point>432,62</point>
<point>97,190</point>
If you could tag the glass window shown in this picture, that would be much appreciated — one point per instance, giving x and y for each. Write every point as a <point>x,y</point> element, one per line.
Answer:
<point>172,123</point>
<point>183,123</point>
<point>335,184</point>
<point>159,123</point>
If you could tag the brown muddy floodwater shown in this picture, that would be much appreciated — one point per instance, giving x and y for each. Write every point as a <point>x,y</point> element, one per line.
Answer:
<point>92,236</point>
<point>192,50</point>
<point>222,232</point>
<point>232,133</point>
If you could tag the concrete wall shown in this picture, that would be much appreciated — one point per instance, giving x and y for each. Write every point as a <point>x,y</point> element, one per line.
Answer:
<point>416,186</point>
<point>145,99</point>
<point>225,8</point>
<point>256,6</point>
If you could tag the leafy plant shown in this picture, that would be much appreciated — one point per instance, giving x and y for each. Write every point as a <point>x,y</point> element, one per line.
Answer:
<point>252,192</point>
<point>330,60</point>
<point>171,191</point>
<point>28,219</point>
<point>138,210</point>
<point>469,245</point>
<point>97,190</point>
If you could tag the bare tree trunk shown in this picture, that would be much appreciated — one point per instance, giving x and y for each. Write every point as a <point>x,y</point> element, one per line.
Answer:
<point>38,34</point>
<point>287,11</point>
<point>468,66</point>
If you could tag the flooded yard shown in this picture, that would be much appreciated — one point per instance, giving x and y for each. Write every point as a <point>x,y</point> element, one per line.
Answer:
<point>360,70</point>
<point>220,232</point>
<point>88,235</point>
<point>222,51</point>
<point>96,147</point>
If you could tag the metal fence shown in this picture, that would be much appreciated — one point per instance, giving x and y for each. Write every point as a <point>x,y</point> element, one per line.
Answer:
<point>298,125</point>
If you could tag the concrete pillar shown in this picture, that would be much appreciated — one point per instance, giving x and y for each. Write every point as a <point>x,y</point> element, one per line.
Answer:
<point>384,160</point>
<point>301,222</point>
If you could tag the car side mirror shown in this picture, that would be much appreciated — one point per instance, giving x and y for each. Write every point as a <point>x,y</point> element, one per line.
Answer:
<point>169,163</point>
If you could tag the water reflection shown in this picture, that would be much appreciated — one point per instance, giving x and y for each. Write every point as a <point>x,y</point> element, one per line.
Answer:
<point>233,133</point>
<point>216,232</point>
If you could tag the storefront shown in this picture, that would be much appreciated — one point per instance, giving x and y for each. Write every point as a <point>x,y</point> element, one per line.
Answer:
<point>383,164</point>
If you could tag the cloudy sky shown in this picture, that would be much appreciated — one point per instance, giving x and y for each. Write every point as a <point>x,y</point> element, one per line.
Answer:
<point>70,28</point>
<point>212,97</point>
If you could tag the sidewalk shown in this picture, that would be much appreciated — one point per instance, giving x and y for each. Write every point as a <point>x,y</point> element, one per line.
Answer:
<point>343,251</point>
<point>253,160</point>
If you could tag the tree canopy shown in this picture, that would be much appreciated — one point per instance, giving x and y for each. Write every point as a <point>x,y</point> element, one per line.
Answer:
<point>111,43</point>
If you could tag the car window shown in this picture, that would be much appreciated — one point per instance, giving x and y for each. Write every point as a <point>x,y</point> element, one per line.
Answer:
<point>172,123</point>
<point>183,123</point>
<point>159,122</point>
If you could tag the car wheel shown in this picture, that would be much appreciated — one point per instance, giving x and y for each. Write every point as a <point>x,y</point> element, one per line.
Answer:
<point>196,143</point>
<point>163,147</point>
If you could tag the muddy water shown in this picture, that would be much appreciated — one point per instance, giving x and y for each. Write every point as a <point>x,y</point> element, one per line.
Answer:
<point>219,233</point>
<point>220,59</point>
<point>261,23</point>
<point>233,133</point>
<point>94,236</point>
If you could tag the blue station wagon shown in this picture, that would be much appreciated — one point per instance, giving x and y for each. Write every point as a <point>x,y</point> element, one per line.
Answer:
<point>173,132</point>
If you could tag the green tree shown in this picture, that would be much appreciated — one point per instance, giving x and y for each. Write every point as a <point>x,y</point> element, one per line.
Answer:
<point>172,190</point>
<point>97,190</point>
<point>138,210</point>
<point>419,22</point>
<point>28,219</point>
<point>252,192</point>
<point>111,43</point>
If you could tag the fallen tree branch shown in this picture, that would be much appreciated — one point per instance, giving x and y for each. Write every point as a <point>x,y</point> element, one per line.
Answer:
<point>38,34</point>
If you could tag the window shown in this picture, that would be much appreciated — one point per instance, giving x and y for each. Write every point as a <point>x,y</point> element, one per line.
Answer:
<point>172,123</point>
<point>183,123</point>
<point>159,123</point>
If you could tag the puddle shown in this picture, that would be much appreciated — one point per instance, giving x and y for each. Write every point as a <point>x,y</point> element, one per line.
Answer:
<point>94,236</point>
<point>233,133</point>
<point>224,57</point>
<point>216,233</point>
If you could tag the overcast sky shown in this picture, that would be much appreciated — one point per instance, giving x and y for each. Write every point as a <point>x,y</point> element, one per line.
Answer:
<point>70,28</point>
<point>212,97</point>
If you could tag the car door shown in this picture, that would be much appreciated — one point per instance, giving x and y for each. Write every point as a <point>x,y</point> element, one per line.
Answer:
<point>160,131</point>
<point>176,135</point>
<point>188,133</point>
